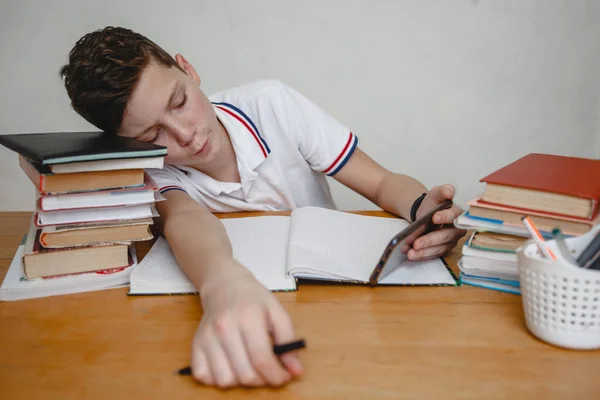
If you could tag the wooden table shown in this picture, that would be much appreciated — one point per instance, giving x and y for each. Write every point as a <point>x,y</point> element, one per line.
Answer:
<point>363,343</point>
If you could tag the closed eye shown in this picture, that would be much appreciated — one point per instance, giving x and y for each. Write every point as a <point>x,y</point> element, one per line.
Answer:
<point>156,136</point>
<point>182,103</point>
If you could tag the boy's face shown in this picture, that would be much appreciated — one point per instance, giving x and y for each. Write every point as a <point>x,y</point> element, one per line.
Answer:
<point>168,108</point>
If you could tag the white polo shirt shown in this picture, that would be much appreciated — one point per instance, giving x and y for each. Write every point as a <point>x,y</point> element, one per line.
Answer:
<point>284,145</point>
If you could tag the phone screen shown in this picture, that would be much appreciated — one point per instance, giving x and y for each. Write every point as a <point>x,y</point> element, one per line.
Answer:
<point>394,253</point>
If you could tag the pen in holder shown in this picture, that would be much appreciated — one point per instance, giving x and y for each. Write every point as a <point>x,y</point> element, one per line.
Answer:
<point>561,300</point>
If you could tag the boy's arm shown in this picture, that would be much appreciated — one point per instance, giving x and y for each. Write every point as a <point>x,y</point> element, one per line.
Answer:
<point>197,238</point>
<point>396,193</point>
<point>232,345</point>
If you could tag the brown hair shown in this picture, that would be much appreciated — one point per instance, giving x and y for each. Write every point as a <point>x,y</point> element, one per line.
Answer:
<point>103,70</point>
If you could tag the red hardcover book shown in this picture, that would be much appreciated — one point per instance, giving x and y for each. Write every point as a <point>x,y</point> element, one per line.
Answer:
<point>551,183</point>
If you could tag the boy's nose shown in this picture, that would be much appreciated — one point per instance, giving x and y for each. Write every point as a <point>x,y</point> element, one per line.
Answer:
<point>184,135</point>
<point>186,139</point>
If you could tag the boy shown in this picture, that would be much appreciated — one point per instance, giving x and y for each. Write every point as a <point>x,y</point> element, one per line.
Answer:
<point>259,147</point>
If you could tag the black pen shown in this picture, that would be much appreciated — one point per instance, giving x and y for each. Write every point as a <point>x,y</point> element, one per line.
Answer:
<point>278,349</point>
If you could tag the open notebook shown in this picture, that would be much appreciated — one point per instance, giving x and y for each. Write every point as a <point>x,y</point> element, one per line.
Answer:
<point>312,243</point>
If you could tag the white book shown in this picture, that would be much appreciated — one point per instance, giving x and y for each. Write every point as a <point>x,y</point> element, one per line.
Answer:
<point>95,215</point>
<point>98,199</point>
<point>464,221</point>
<point>16,287</point>
<point>489,254</point>
<point>488,264</point>
<point>107,165</point>
<point>488,268</point>
<point>312,243</point>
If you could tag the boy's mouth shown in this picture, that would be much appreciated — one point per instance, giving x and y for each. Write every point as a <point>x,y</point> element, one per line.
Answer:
<point>202,148</point>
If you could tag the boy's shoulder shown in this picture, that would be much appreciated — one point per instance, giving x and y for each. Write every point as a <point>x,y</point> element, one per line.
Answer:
<point>249,92</point>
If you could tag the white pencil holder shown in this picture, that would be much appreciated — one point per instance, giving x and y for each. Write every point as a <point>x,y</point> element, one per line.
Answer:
<point>561,301</point>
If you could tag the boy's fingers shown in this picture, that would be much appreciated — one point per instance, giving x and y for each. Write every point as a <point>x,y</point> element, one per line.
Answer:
<point>233,344</point>
<point>291,361</point>
<point>200,368</point>
<point>281,325</point>
<point>440,193</point>
<point>282,330</point>
<point>409,240</point>
<point>437,195</point>
<point>255,334</point>
<point>222,372</point>
<point>436,238</point>
<point>429,252</point>
<point>447,216</point>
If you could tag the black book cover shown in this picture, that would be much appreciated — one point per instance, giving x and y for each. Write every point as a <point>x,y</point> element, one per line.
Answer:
<point>67,147</point>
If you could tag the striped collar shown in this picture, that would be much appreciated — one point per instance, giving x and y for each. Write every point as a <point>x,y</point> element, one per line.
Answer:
<point>250,147</point>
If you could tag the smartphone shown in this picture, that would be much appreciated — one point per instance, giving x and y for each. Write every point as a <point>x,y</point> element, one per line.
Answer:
<point>394,253</point>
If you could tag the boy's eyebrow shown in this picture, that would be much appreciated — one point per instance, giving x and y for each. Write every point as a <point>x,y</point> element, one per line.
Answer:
<point>176,89</point>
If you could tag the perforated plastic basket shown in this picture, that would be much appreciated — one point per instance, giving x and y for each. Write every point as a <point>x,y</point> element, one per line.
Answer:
<point>561,301</point>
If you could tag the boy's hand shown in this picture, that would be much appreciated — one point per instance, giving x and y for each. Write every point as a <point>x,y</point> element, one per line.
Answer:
<point>233,345</point>
<point>439,242</point>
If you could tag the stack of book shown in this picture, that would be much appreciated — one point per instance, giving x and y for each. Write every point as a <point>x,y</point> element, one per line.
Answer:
<point>554,191</point>
<point>93,202</point>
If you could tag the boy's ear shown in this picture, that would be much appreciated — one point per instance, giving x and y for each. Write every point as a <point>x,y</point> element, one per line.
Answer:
<point>188,68</point>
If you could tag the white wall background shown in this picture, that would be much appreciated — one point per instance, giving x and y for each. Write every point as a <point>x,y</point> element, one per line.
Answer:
<point>446,91</point>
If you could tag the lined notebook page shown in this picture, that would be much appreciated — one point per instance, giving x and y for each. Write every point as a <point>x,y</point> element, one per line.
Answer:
<point>399,271</point>
<point>430,272</point>
<point>259,243</point>
<point>338,244</point>
<point>159,273</point>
